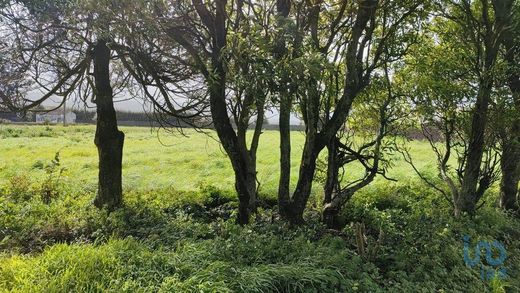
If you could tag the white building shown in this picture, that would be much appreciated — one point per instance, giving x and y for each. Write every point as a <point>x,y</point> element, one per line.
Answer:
<point>56,116</point>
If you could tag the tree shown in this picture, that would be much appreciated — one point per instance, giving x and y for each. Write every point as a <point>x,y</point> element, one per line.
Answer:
<point>355,39</point>
<point>482,24</point>
<point>285,91</point>
<point>57,41</point>
<point>12,83</point>
<point>367,142</point>
<point>77,49</point>
<point>441,86</point>
<point>224,45</point>
<point>510,163</point>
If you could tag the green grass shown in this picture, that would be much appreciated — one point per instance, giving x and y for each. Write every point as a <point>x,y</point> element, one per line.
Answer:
<point>176,231</point>
<point>152,158</point>
<point>156,159</point>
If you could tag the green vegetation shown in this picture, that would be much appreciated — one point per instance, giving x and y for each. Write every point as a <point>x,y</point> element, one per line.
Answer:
<point>177,231</point>
<point>345,205</point>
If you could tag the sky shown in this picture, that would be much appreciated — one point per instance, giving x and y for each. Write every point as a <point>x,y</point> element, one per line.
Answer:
<point>125,103</point>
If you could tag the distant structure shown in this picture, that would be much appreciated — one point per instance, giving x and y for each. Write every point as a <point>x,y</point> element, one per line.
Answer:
<point>56,116</point>
<point>9,117</point>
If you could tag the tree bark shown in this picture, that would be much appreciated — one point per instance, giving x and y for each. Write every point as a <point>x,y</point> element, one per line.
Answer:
<point>285,154</point>
<point>510,172</point>
<point>227,136</point>
<point>294,210</point>
<point>510,163</point>
<point>108,139</point>
<point>467,200</point>
<point>280,51</point>
<point>250,155</point>
<point>330,213</point>
<point>242,160</point>
<point>331,182</point>
<point>237,155</point>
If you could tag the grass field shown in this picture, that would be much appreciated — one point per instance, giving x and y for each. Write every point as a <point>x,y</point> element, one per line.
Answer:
<point>176,232</point>
<point>156,159</point>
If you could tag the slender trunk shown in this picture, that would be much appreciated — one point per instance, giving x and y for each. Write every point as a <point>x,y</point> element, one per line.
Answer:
<point>331,209</point>
<point>285,154</point>
<point>294,210</point>
<point>252,189</point>
<point>244,190</point>
<point>331,182</point>
<point>280,51</point>
<point>316,141</point>
<point>467,200</point>
<point>510,163</point>
<point>108,139</point>
<point>253,181</point>
<point>248,162</point>
<point>510,172</point>
<point>331,186</point>
<point>311,150</point>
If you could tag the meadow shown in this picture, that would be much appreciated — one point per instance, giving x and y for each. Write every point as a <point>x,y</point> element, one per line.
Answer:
<point>158,159</point>
<point>176,231</point>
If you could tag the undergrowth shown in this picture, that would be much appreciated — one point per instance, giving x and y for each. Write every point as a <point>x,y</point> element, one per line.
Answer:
<point>169,241</point>
<point>397,237</point>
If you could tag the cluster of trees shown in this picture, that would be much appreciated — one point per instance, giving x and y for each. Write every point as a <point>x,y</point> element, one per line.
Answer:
<point>356,72</point>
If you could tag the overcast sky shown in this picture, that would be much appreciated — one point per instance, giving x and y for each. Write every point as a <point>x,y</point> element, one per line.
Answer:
<point>136,105</point>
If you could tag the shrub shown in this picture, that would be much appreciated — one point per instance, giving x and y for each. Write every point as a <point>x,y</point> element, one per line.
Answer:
<point>50,186</point>
<point>19,188</point>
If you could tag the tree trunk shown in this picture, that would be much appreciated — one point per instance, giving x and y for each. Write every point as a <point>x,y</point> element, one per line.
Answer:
<point>252,189</point>
<point>316,141</point>
<point>108,139</point>
<point>331,182</point>
<point>285,155</point>
<point>510,172</point>
<point>229,140</point>
<point>330,213</point>
<point>467,200</point>
<point>245,190</point>
<point>280,51</point>
<point>294,210</point>
<point>253,150</point>
<point>510,163</point>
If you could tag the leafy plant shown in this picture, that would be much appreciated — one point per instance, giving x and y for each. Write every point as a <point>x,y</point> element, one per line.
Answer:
<point>50,186</point>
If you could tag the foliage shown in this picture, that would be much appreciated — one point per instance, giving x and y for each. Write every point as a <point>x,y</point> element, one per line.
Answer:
<point>186,240</point>
<point>50,185</point>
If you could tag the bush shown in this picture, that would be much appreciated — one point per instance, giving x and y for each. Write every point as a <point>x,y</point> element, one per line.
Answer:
<point>50,187</point>
<point>19,188</point>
